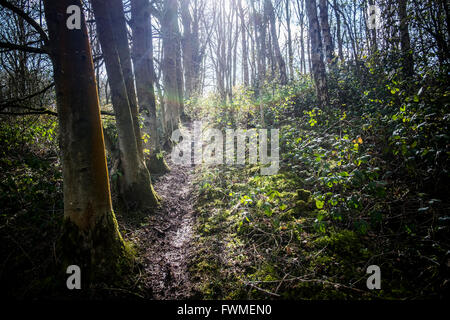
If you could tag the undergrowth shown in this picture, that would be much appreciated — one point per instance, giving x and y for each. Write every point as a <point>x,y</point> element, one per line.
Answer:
<point>362,182</point>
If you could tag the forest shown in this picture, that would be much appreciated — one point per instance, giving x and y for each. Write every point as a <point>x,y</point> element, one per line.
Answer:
<point>224,149</point>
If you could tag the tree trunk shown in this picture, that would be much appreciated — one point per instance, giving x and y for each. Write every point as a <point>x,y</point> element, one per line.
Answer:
<point>145,76</point>
<point>290,52</point>
<point>244,45</point>
<point>197,52</point>
<point>318,66</point>
<point>326,33</point>
<point>260,41</point>
<point>187,47</point>
<point>373,33</point>
<point>179,70</point>
<point>91,238</point>
<point>135,184</point>
<point>407,59</point>
<point>301,15</point>
<point>169,22</point>
<point>142,51</point>
<point>338,31</point>
<point>121,36</point>
<point>281,65</point>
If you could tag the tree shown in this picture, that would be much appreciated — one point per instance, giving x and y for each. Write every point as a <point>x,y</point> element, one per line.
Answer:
<point>338,31</point>
<point>187,44</point>
<point>259,26</point>
<point>170,37</point>
<point>91,238</point>
<point>318,66</point>
<point>179,73</point>
<point>198,50</point>
<point>145,76</point>
<point>135,184</point>
<point>326,33</point>
<point>281,65</point>
<point>121,36</point>
<point>373,32</point>
<point>290,50</point>
<point>407,59</point>
<point>244,45</point>
<point>301,15</point>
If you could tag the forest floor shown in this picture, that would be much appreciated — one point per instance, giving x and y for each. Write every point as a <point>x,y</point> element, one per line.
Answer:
<point>361,193</point>
<point>166,237</point>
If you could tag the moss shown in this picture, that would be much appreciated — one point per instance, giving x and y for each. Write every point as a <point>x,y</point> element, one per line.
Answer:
<point>287,215</point>
<point>301,206</point>
<point>100,251</point>
<point>287,196</point>
<point>343,243</point>
<point>157,165</point>
<point>304,208</point>
<point>303,195</point>
<point>140,194</point>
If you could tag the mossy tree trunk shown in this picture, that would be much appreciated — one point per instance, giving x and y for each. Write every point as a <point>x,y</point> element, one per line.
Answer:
<point>145,76</point>
<point>91,238</point>
<point>135,184</point>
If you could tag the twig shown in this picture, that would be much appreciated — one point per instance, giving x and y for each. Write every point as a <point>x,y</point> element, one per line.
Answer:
<point>262,290</point>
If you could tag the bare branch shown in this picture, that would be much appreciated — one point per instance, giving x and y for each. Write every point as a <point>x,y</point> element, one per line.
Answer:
<point>12,46</point>
<point>27,18</point>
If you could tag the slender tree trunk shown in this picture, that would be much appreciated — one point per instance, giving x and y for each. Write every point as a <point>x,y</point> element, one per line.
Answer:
<point>290,51</point>
<point>91,238</point>
<point>235,45</point>
<point>169,22</point>
<point>135,184</point>
<point>338,30</point>
<point>326,33</point>
<point>318,66</point>
<point>308,49</point>
<point>260,36</point>
<point>123,49</point>
<point>373,33</point>
<point>145,77</point>
<point>260,41</point>
<point>405,42</point>
<point>301,16</point>
<point>263,49</point>
<point>187,42</point>
<point>253,60</point>
<point>179,71</point>
<point>197,54</point>
<point>276,47</point>
<point>244,45</point>
<point>143,67</point>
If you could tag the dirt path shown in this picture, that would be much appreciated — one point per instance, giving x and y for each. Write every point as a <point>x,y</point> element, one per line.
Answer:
<point>169,235</point>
